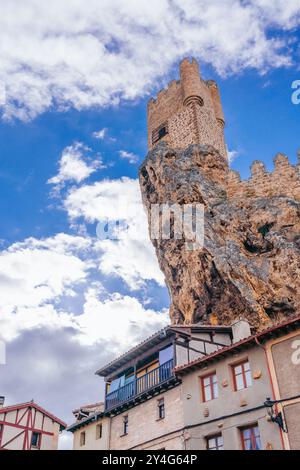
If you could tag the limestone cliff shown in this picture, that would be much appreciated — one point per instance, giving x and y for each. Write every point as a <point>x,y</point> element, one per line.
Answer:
<point>250,263</point>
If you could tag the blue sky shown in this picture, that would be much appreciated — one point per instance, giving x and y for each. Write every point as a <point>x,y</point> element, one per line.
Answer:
<point>70,301</point>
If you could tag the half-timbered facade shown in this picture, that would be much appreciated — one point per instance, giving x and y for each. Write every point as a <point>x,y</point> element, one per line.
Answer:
<point>28,426</point>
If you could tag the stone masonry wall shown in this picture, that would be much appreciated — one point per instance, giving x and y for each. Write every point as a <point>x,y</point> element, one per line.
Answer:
<point>283,181</point>
<point>145,430</point>
<point>192,110</point>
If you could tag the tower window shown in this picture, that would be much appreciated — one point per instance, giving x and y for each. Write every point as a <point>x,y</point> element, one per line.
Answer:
<point>82,438</point>
<point>161,408</point>
<point>159,133</point>
<point>98,431</point>
<point>125,425</point>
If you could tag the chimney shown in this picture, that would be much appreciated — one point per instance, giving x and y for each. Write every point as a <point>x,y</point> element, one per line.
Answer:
<point>2,399</point>
<point>240,330</point>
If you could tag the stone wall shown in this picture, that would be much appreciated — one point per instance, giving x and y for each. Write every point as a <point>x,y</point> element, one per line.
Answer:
<point>145,430</point>
<point>283,181</point>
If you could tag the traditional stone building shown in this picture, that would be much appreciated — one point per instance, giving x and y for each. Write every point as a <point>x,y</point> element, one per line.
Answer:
<point>197,388</point>
<point>27,426</point>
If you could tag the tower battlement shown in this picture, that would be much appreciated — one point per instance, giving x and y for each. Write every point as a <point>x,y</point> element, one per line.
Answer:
<point>284,180</point>
<point>188,111</point>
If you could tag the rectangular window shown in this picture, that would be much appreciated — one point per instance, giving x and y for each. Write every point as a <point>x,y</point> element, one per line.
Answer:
<point>161,408</point>
<point>159,133</point>
<point>98,431</point>
<point>215,442</point>
<point>242,375</point>
<point>210,389</point>
<point>35,439</point>
<point>125,425</point>
<point>251,438</point>
<point>82,438</point>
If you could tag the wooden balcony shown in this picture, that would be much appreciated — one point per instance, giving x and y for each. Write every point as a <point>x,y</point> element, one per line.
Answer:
<point>141,387</point>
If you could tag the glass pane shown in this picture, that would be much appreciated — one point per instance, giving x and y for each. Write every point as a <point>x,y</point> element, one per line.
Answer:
<point>207,393</point>
<point>258,444</point>
<point>220,442</point>
<point>256,431</point>
<point>206,381</point>
<point>248,378</point>
<point>247,434</point>
<point>238,369</point>
<point>246,366</point>
<point>216,390</point>
<point>214,379</point>
<point>248,444</point>
<point>239,382</point>
<point>212,443</point>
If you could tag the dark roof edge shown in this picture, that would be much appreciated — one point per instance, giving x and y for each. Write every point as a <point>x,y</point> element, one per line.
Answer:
<point>179,370</point>
<point>103,371</point>
<point>84,422</point>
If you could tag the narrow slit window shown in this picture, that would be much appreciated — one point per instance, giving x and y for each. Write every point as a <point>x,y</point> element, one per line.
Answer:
<point>161,408</point>
<point>125,425</point>
<point>98,431</point>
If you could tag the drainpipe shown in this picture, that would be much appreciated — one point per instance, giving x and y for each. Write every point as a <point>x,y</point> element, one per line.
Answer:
<point>272,385</point>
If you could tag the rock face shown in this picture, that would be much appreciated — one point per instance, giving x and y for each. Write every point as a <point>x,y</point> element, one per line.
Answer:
<point>249,264</point>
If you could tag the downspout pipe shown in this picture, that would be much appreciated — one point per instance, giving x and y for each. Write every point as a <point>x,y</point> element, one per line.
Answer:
<point>259,344</point>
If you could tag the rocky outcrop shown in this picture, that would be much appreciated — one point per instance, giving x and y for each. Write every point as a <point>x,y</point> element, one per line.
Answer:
<point>249,264</point>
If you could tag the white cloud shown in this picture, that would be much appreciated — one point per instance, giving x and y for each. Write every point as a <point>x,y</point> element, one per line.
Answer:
<point>99,135</point>
<point>40,271</point>
<point>86,54</point>
<point>120,320</point>
<point>132,255</point>
<point>131,157</point>
<point>232,155</point>
<point>75,165</point>
<point>44,272</point>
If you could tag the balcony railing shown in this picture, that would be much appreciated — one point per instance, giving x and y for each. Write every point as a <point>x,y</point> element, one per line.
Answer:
<point>140,385</point>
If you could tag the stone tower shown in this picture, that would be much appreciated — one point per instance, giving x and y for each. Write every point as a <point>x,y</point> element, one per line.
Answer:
<point>249,262</point>
<point>188,112</point>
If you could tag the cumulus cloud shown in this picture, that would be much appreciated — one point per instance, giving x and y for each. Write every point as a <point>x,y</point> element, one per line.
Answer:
<point>86,54</point>
<point>40,270</point>
<point>99,135</point>
<point>131,157</point>
<point>75,165</point>
<point>111,201</point>
<point>62,268</point>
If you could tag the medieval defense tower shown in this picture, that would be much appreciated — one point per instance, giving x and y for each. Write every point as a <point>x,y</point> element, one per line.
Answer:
<point>188,112</point>
<point>249,263</point>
